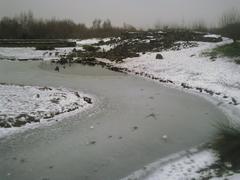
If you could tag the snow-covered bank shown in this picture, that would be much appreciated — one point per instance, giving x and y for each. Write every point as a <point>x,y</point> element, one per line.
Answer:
<point>87,41</point>
<point>22,106</point>
<point>91,41</point>
<point>189,69</point>
<point>183,165</point>
<point>31,54</point>
<point>95,41</point>
<point>195,163</point>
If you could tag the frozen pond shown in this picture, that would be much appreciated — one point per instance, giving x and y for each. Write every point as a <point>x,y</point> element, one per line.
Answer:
<point>120,135</point>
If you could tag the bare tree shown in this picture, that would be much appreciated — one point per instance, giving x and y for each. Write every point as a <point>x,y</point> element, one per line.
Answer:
<point>107,24</point>
<point>25,26</point>
<point>96,23</point>
<point>128,27</point>
<point>230,24</point>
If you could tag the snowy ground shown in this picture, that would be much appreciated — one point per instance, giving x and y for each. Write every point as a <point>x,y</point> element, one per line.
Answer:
<point>31,53</point>
<point>87,41</point>
<point>218,77</point>
<point>93,41</point>
<point>183,165</point>
<point>21,106</point>
<point>23,53</point>
<point>189,69</point>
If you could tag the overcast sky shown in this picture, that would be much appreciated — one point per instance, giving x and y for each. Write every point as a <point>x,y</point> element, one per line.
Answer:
<point>140,13</point>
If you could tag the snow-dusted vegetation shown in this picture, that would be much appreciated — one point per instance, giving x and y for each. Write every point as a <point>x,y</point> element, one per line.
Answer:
<point>22,105</point>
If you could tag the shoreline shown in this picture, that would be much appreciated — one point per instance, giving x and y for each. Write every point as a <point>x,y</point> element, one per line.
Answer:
<point>225,102</point>
<point>215,99</point>
<point>115,134</point>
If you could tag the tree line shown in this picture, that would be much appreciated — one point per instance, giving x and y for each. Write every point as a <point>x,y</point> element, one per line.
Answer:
<point>228,25</point>
<point>26,26</point>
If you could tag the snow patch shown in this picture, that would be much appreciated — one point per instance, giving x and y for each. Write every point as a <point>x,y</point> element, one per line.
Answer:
<point>91,41</point>
<point>87,42</point>
<point>32,54</point>
<point>212,36</point>
<point>183,165</point>
<point>21,106</point>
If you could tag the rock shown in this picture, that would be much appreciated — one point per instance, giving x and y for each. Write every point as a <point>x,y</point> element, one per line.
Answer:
<point>184,85</point>
<point>199,89</point>
<point>88,100</point>
<point>5,124</point>
<point>77,94</point>
<point>92,142</point>
<point>56,69</point>
<point>213,57</point>
<point>234,101</point>
<point>209,91</point>
<point>45,89</point>
<point>159,56</point>
<point>55,100</point>
<point>135,128</point>
<point>22,119</point>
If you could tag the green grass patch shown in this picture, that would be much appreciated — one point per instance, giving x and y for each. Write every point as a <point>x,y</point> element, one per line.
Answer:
<point>229,50</point>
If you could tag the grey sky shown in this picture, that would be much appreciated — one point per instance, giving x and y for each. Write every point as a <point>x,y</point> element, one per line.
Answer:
<point>137,12</point>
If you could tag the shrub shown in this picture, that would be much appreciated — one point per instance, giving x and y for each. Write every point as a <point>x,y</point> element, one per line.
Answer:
<point>50,48</point>
<point>230,25</point>
<point>90,48</point>
<point>229,50</point>
<point>228,143</point>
